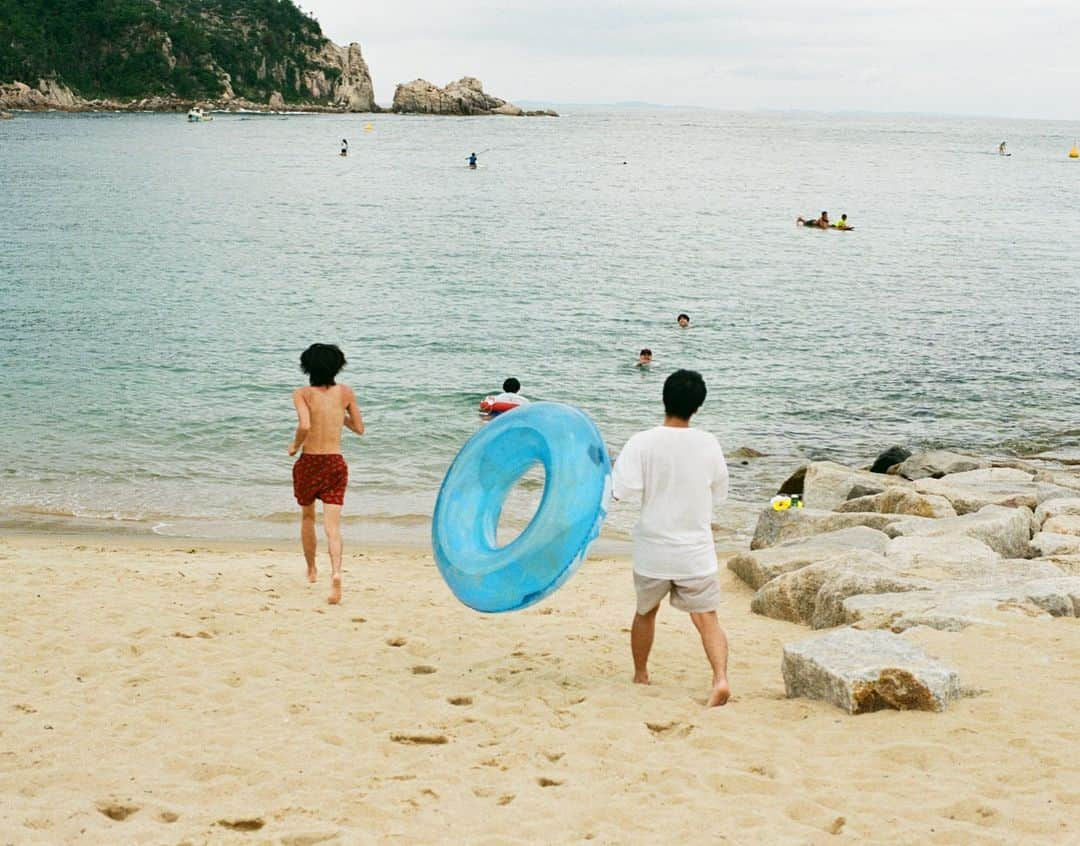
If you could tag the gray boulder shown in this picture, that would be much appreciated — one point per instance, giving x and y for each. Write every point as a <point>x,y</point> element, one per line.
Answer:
<point>774,527</point>
<point>940,558</point>
<point>937,463</point>
<point>827,484</point>
<point>971,491</point>
<point>1056,508</point>
<point>814,594</point>
<point>862,671</point>
<point>1069,480</point>
<point>757,568</point>
<point>1063,524</point>
<point>464,97</point>
<point>1052,544</point>
<point>1066,455</point>
<point>898,500</point>
<point>1007,531</point>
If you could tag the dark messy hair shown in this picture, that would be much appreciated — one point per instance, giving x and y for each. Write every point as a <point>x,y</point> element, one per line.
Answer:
<point>511,385</point>
<point>645,351</point>
<point>684,392</point>
<point>681,316</point>
<point>322,362</point>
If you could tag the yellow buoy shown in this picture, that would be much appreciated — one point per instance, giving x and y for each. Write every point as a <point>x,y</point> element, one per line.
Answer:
<point>1074,153</point>
<point>368,127</point>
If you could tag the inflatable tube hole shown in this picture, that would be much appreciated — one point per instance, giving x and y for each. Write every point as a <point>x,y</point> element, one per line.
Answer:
<point>521,504</point>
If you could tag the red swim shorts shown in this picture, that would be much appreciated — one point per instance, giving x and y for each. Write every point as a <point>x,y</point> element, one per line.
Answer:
<point>320,477</point>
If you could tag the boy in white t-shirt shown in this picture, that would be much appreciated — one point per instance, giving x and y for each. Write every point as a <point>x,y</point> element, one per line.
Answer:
<point>681,475</point>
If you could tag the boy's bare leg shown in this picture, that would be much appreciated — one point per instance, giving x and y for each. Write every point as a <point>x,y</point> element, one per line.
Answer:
<point>642,633</point>
<point>308,539</point>
<point>332,526</point>
<point>716,650</point>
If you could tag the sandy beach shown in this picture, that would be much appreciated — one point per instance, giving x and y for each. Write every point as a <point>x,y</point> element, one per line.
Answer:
<point>166,692</point>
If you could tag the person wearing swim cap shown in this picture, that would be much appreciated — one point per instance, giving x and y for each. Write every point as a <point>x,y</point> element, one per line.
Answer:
<point>680,475</point>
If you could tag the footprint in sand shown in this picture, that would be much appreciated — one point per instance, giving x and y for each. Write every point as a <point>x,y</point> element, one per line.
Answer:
<point>544,781</point>
<point>396,641</point>
<point>460,700</point>
<point>168,816</point>
<point>116,810</point>
<point>505,799</point>
<point>420,739</point>
<point>246,824</point>
<point>423,670</point>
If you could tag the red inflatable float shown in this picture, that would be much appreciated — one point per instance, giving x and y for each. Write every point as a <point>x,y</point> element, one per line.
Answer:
<point>491,405</point>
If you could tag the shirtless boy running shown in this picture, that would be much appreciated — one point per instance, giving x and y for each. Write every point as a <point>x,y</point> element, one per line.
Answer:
<point>320,472</point>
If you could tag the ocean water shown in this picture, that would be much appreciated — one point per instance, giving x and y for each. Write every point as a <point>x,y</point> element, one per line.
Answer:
<point>158,281</point>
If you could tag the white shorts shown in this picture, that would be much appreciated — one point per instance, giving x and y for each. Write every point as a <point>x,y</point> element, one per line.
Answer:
<point>695,595</point>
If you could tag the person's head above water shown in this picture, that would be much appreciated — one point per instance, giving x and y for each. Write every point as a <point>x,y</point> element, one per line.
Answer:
<point>511,386</point>
<point>684,392</point>
<point>683,320</point>
<point>645,354</point>
<point>824,215</point>
<point>322,362</point>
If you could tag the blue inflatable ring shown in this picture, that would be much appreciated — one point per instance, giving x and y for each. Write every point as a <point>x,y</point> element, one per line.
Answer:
<point>551,548</point>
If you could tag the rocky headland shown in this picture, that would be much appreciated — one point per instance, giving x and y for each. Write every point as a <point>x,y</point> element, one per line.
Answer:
<point>936,539</point>
<point>171,55</point>
<point>466,96</point>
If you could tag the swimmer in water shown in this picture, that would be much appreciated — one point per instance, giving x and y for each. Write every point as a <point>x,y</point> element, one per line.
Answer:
<point>820,223</point>
<point>683,320</point>
<point>1001,149</point>
<point>472,160</point>
<point>644,358</point>
<point>344,147</point>
<point>842,224</point>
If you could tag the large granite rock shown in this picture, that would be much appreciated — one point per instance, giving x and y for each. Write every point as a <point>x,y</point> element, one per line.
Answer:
<point>898,500</point>
<point>1052,544</point>
<point>352,89</point>
<point>1059,479</point>
<point>464,97</point>
<point>1007,531</point>
<point>827,484</point>
<point>1063,524</point>
<point>1031,587</point>
<point>1056,508</point>
<point>861,671</point>
<point>937,463</point>
<point>814,594</point>
<point>973,490</point>
<point>951,556</point>
<point>1066,455</point>
<point>774,527</point>
<point>48,94</point>
<point>757,568</point>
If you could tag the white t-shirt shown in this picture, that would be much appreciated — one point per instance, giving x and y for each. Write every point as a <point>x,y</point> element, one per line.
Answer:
<point>681,474</point>
<point>508,397</point>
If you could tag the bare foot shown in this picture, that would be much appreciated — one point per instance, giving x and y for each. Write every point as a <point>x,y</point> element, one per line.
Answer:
<point>335,591</point>
<point>312,573</point>
<point>719,695</point>
<point>641,678</point>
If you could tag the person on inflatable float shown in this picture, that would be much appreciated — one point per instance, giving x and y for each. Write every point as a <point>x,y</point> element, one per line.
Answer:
<point>508,400</point>
<point>681,475</point>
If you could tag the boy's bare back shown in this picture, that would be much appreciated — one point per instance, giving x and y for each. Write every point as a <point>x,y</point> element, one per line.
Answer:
<point>322,412</point>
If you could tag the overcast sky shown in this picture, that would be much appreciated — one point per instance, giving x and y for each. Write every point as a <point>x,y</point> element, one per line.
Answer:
<point>1017,59</point>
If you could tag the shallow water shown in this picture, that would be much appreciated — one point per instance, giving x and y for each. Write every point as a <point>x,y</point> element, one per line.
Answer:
<point>158,281</point>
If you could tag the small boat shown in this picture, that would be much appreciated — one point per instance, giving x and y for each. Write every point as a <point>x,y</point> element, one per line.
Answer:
<point>197,115</point>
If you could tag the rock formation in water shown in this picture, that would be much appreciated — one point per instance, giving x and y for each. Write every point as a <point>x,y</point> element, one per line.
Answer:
<point>172,54</point>
<point>464,97</point>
